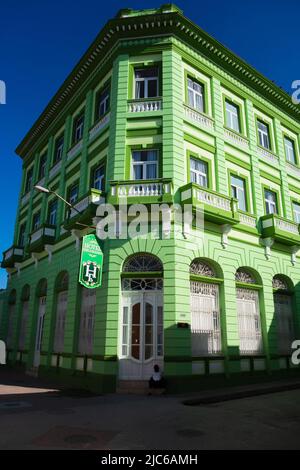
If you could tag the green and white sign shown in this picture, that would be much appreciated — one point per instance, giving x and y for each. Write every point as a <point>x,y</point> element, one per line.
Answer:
<point>91,262</point>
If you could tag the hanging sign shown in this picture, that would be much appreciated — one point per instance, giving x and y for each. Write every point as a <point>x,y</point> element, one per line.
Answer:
<point>91,262</point>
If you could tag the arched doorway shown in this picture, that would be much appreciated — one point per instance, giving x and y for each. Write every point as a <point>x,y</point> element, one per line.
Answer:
<point>283,306</point>
<point>141,319</point>
<point>205,309</point>
<point>11,318</point>
<point>41,301</point>
<point>248,312</point>
<point>25,297</point>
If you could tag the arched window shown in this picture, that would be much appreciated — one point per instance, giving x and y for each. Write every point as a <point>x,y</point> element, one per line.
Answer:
<point>87,321</point>
<point>248,313</point>
<point>205,310</point>
<point>283,305</point>
<point>11,318</point>
<point>142,263</point>
<point>25,297</point>
<point>61,311</point>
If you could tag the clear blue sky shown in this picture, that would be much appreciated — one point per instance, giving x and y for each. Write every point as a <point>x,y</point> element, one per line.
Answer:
<point>40,42</point>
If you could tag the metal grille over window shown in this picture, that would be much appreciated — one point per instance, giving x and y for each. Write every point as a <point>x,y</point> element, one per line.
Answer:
<point>279,283</point>
<point>62,302</point>
<point>283,304</point>
<point>143,263</point>
<point>244,276</point>
<point>249,326</point>
<point>202,269</point>
<point>25,315</point>
<point>142,284</point>
<point>205,319</point>
<point>87,320</point>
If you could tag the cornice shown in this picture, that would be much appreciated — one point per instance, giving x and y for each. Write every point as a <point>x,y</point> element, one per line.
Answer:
<point>171,23</point>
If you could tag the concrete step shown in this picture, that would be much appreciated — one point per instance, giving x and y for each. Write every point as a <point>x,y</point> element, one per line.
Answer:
<point>136,387</point>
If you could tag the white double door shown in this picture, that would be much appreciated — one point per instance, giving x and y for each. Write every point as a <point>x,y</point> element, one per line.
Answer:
<point>39,330</point>
<point>141,334</point>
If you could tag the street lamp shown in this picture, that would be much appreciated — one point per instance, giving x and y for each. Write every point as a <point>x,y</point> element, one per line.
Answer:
<point>41,189</point>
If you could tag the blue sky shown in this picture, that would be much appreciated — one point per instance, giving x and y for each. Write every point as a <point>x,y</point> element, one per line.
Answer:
<point>40,42</point>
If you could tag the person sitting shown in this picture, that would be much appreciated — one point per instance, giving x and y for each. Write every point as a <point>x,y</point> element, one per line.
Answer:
<point>156,380</point>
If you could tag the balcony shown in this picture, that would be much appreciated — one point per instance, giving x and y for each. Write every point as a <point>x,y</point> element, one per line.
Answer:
<point>11,256</point>
<point>87,206</point>
<point>44,235</point>
<point>267,156</point>
<point>217,208</point>
<point>141,191</point>
<point>144,105</point>
<point>281,230</point>
<point>97,128</point>
<point>198,118</point>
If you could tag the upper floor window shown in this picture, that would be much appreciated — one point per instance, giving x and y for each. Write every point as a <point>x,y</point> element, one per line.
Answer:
<point>144,164</point>
<point>58,149</point>
<point>263,134</point>
<point>199,172</point>
<point>73,194</point>
<point>195,95</point>
<point>29,179</point>
<point>22,235</point>
<point>102,103</point>
<point>36,221</point>
<point>290,150</point>
<point>78,128</point>
<point>232,116</point>
<point>271,202</point>
<point>42,168</point>
<point>238,190</point>
<point>98,178</point>
<point>296,210</point>
<point>146,83</point>
<point>52,214</point>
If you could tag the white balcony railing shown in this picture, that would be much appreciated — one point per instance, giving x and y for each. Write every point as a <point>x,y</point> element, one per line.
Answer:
<point>13,252</point>
<point>148,189</point>
<point>211,199</point>
<point>25,199</point>
<point>40,232</point>
<point>74,150</point>
<point>268,156</point>
<point>236,139</point>
<point>82,205</point>
<point>248,220</point>
<point>287,226</point>
<point>144,106</point>
<point>199,118</point>
<point>55,169</point>
<point>96,129</point>
<point>293,170</point>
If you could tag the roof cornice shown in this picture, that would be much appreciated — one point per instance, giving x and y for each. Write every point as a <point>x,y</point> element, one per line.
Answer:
<point>172,23</point>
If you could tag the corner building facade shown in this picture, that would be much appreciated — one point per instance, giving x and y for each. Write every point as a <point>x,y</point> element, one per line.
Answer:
<point>159,112</point>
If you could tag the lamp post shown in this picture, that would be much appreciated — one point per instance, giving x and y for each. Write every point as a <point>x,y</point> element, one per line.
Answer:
<point>41,189</point>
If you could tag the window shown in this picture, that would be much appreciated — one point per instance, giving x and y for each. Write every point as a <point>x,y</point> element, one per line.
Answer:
<point>144,164</point>
<point>238,190</point>
<point>195,95</point>
<point>58,149</point>
<point>263,134</point>
<point>199,172</point>
<point>102,103</point>
<point>98,178</point>
<point>52,213</point>
<point>296,210</point>
<point>232,116</point>
<point>146,83</point>
<point>78,128</point>
<point>73,194</point>
<point>36,221</point>
<point>42,169</point>
<point>271,202</point>
<point>290,150</point>
<point>29,179</point>
<point>22,235</point>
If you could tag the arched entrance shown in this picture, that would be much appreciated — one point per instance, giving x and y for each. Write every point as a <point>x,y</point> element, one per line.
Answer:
<point>141,318</point>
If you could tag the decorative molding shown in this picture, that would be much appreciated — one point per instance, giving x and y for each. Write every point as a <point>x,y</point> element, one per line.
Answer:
<point>267,244</point>
<point>225,230</point>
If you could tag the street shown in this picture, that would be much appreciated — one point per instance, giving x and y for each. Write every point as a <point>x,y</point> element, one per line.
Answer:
<point>44,418</point>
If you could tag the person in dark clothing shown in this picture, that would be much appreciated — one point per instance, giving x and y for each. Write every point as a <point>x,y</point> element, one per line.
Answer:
<point>156,380</point>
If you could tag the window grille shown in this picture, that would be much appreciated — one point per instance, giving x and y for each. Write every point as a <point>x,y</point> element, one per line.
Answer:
<point>142,263</point>
<point>87,320</point>
<point>61,312</point>
<point>249,326</point>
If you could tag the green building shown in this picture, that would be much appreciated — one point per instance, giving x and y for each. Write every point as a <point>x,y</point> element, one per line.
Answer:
<point>157,111</point>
